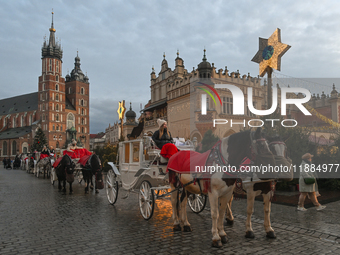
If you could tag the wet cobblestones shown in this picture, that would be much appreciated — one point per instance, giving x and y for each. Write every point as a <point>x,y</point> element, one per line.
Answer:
<point>36,219</point>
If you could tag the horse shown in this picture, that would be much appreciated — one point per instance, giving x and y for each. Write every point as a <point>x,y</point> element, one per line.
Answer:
<point>46,165</point>
<point>23,162</point>
<point>92,167</point>
<point>229,152</point>
<point>65,172</point>
<point>254,186</point>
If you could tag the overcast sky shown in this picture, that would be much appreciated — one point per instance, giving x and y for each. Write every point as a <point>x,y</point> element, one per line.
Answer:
<point>120,41</point>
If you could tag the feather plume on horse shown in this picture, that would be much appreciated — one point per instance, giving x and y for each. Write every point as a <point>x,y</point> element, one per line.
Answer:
<point>219,186</point>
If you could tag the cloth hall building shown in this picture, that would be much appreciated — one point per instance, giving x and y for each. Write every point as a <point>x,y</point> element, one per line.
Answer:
<point>60,106</point>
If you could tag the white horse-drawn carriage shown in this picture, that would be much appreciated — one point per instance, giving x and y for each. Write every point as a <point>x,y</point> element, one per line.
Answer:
<point>141,169</point>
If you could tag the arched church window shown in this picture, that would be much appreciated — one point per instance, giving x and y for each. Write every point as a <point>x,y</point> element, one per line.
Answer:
<point>57,87</point>
<point>57,107</point>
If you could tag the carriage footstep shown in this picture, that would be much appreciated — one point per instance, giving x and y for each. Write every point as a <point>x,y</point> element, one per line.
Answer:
<point>187,228</point>
<point>177,228</point>
<point>250,234</point>
<point>224,239</point>
<point>271,235</point>
<point>216,243</point>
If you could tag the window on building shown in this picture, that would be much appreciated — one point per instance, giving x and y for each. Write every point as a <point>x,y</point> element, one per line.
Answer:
<point>82,111</point>
<point>82,102</point>
<point>82,130</point>
<point>82,121</point>
<point>43,107</point>
<point>69,90</point>
<point>22,120</point>
<point>4,148</point>
<point>82,91</point>
<point>57,107</point>
<point>56,97</point>
<point>57,128</point>
<point>13,122</point>
<point>57,145</point>
<point>57,77</point>
<point>53,127</point>
<point>57,64</point>
<point>57,87</point>
<point>57,118</point>
<point>14,148</point>
<point>227,105</point>
<point>61,128</point>
<point>50,64</point>
<point>43,117</point>
<point>30,120</point>
<point>44,86</point>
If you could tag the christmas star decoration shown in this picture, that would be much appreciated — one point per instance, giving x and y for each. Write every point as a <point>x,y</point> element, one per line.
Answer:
<point>121,109</point>
<point>270,52</point>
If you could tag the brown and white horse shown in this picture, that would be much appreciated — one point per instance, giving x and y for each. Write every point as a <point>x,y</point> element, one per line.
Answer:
<point>254,186</point>
<point>231,152</point>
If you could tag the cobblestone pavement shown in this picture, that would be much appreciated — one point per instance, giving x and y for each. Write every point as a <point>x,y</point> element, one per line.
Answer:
<point>36,219</point>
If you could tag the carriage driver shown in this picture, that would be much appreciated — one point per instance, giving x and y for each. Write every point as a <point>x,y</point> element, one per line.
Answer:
<point>73,146</point>
<point>163,140</point>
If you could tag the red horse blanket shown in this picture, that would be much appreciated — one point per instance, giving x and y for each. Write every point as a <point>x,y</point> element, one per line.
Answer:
<point>43,156</point>
<point>84,159</point>
<point>77,153</point>
<point>187,161</point>
<point>56,163</point>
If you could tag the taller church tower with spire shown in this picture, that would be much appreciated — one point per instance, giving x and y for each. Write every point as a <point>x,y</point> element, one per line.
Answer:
<point>63,106</point>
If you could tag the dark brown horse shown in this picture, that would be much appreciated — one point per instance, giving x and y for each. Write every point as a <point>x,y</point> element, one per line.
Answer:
<point>65,172</point>
<point>93,167</point>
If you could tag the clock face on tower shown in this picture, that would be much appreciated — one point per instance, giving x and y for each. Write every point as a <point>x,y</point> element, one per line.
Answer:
<point>268,52</point>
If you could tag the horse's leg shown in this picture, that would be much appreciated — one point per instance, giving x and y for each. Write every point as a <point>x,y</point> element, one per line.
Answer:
<point>175,209</point>
<point>267,208</point>
<point>71,190</point>
<point>59,184</point>
<point>183,213</point>
<point>224,203</point>
<point>90,177</point>
<point>213,199</point>
<point>86,180</point>
<point>64,187</point>
<point>250,210</point>
<point>230,217</point>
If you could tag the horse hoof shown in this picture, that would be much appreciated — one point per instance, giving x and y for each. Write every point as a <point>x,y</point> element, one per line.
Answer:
<point>229,222</point>
<point>216,243</point>
<point>187,229</point>
<point>250,234</point>
<point>97,191</point>
<point>177,228</point>
<point>91,187</point>
<point>271,235</point>
<point>224,239</point>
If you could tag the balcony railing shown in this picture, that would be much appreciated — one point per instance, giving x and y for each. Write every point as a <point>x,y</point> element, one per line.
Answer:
<point>153,122</point>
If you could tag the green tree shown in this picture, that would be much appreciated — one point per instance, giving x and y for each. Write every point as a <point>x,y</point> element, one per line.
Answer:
<point>107,154</point>
<point>39,140</point>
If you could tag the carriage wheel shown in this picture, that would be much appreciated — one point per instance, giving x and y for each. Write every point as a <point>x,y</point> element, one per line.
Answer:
<point>111,186</point>
<point>146,200</point>
<point>197,202</point>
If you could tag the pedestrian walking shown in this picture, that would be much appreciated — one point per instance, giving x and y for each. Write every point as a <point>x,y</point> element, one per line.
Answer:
<point>307,184</point>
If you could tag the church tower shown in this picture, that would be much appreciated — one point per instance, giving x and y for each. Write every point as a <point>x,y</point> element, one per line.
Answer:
<point>77,99</point>
<point>51,92</point>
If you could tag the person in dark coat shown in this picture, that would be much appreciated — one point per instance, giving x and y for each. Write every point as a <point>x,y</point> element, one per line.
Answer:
<point>163,140</point>
<point>162,136</point>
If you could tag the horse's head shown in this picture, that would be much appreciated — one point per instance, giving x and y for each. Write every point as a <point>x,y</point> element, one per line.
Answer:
<point>96,166</point>
<point>68,164</point>
<point>277,146</point>
<point>260,152</point>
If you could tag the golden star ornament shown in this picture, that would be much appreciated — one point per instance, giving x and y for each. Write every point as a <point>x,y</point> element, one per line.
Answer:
<point>270,52</point>
<point>121,109</point>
